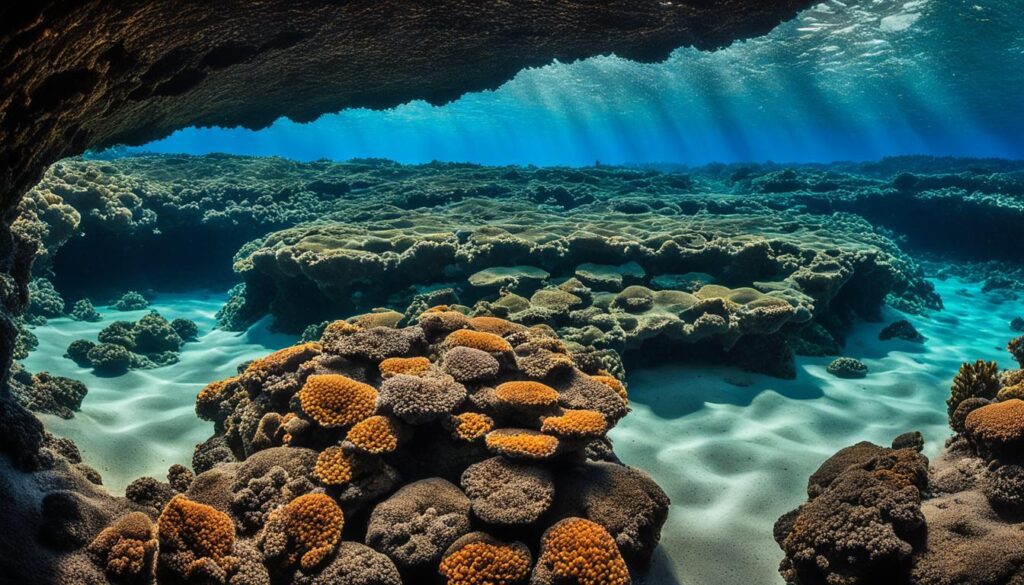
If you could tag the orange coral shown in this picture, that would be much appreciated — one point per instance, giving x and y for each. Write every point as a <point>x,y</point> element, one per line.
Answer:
<point>342,328</point>
<point>304,531</point>
<point>527,394</point>
<point>470,426</point>
<point>488,342</point>
<point>334,400</point>
<point>211,395</point>
<point>414,366</point>
<point>283,360</point>
<point>438,309</point>
<point>201,530</point>
<point>613,383</point>
<point>486,563</point>
<point>523,443</point>
<point>375,435</point>
<point>333,467</point>
<point>999,425</point>
<point>494,325</point>
<point>125,548</point>
<point>580,551</point>
<point>576,424</point>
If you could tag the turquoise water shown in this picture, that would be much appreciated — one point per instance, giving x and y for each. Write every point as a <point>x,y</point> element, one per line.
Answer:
<point>853,80</point>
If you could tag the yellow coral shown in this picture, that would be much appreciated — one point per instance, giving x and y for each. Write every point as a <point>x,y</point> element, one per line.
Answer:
<point>382,318</point>
<point>470,426</point>
<point>485,563</point>
<point>582,552</point>
<point>576,424</point>
<point>342,328</point>
<point>414,366</point>
<point>494,325</point>
<point>283,360</point>
<point>333,467</point>
<point>613,383</point>
<point>526,394</point>
<point>204,531</point>
<point>375,435</point>
<point>488,342</point>
<point>334,400</point>
<point>524,443</point>
<point>1009,392</point>
<point>313,525</point>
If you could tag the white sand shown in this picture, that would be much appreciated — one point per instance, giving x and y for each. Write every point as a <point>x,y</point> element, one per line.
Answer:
<point>733,459</point>
<point>144,421</point>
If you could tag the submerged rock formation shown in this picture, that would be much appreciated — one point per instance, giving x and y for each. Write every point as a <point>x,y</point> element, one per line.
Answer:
<point>886,515</point>
<point>383,455</point>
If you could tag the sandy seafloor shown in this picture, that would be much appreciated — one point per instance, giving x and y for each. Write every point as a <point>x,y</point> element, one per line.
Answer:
<point>144,421</point>
<point>733,450</point>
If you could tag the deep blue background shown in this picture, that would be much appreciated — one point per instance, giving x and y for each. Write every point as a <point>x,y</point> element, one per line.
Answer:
<point>844,81</point>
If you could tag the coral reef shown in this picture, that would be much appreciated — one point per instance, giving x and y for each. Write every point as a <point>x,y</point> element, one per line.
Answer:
<point>887,515</point>
<point>365,435</point>
<point>83,310</point>
<point>150,342</point>
<point>131,301</point>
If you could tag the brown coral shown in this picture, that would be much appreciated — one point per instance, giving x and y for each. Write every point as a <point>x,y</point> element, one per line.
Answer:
<point>582,552</point>
<point>488,342</point>
<point>522,443</point>
<point>507,493</point>
<point>195,539</point>
<point>576,424</point>
<point>613,383</point>
<point>470,426</point>
<point>375,435</point>
<point>478,559</point>
<point>1016,349</point>
<point>526,394</point>
<point>997,427</point>
<point>304,532</point>
<point>334,400</point>
<point>125,548</point>
<point>333,467</point>
<point>414,366</point>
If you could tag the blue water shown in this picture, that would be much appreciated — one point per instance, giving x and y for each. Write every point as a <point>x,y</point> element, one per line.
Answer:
<point>851,80</point>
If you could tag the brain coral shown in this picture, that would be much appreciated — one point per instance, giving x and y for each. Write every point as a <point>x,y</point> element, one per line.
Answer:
<point>303,532</point>
<point>419,522</point>
<point>506,493</point>
<point>480,559</point>
<point>335,401</point>
<point>579,551</point>
<point>195,539</point>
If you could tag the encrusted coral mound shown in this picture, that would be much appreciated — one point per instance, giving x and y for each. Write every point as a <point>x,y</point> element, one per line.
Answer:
<point>435,450</point>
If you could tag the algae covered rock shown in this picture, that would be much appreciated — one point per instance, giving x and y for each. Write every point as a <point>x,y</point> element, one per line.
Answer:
<point>131,301</point>
<point>83,310</point>
<point>847,367</point>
